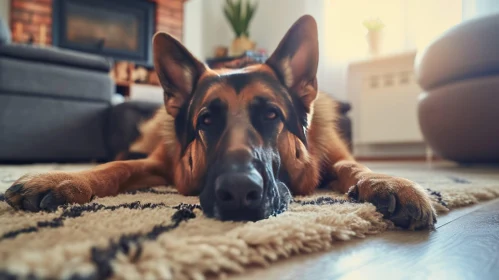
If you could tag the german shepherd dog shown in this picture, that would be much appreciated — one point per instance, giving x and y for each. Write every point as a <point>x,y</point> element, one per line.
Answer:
<point>244,140</point>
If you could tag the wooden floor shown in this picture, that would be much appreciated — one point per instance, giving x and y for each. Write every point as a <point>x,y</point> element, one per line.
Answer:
<point>465,245</point>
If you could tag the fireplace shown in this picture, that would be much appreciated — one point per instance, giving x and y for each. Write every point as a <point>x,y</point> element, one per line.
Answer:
<point>120,29</point>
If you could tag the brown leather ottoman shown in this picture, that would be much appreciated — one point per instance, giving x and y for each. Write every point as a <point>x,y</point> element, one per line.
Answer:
<point>459,108</point>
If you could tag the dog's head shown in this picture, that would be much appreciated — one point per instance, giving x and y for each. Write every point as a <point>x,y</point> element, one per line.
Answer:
<point>233,126</point>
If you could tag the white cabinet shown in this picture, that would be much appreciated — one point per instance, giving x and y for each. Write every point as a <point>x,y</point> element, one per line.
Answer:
<point>384,96</point>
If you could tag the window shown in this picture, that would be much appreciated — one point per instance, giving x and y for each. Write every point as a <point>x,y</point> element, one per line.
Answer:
<point>409,24</point>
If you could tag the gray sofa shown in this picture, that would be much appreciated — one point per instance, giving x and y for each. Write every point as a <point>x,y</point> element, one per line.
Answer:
<point>53,103</point>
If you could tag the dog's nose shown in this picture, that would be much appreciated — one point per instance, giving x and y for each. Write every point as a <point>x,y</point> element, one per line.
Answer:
<point>239,190</point>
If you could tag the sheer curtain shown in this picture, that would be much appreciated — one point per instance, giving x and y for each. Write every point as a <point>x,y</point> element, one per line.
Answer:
<point>409,25</point>
<point>478,8</point>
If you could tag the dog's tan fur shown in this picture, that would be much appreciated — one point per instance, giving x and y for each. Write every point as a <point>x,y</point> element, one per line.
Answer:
<point>325,153</point>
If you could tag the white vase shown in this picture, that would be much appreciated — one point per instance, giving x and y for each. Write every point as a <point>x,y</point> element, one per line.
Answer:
<point>374,40</point>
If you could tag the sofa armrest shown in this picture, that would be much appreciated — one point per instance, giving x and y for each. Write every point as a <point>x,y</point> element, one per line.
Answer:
<point>53,55</point>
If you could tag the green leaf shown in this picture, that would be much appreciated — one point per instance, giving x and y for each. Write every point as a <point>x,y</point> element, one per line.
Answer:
<point>229,19</point>
<point>249,14</point>
<point>239,15</point>
<point>230,5</point>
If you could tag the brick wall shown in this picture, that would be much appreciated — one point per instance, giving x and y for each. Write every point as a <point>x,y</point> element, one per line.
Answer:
<point>36,15</point>
<point>170,16</point>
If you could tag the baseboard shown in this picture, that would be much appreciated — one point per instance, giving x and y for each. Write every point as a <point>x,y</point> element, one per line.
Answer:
<point>402,151</point>
<point>401,159</point>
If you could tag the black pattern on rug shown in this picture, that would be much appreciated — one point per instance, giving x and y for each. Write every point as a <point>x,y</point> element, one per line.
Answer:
<point>76,211</point>
<point>322,200</point>
<point>102,257</point>
<point>152,190</point>
<point>459,180</point>
<point>437,196</point>
<point>326,200</point>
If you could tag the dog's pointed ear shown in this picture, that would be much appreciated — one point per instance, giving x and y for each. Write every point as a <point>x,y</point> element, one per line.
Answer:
<point>296,59</point>
<point>178,70</point>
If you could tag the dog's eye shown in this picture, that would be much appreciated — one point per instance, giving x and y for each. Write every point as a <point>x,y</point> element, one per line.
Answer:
<point>205,120</point>
<point>271,114</point>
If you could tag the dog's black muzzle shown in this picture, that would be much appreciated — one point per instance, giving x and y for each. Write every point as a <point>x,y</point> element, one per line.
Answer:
<point>242,187</point>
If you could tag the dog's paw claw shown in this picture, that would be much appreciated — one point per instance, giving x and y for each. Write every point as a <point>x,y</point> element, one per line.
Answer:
<point>13,196</point>
<point>385,204</point>
<point>353,193</point>
<point>414,212</point>
<point>50,202</point>
<point>17,188</point>
<point>32,202</point>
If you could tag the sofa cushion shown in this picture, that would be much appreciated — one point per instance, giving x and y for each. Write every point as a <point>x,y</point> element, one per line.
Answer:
<point>468,50</point>
<point>23,77</point>
<point>51,129</point>
<point>53,55</point>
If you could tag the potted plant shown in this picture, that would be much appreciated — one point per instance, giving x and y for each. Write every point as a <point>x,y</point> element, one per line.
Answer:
<point>239,14</point>
<point>374,28</point>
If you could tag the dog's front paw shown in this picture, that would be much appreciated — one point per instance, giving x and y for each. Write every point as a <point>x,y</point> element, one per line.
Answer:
<point>402,201</point>
<point>48,191</point>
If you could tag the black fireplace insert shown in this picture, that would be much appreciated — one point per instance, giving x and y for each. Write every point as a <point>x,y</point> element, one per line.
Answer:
<point>120,29</point>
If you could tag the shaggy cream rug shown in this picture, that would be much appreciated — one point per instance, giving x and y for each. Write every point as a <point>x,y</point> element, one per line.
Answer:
<point>158,234</point>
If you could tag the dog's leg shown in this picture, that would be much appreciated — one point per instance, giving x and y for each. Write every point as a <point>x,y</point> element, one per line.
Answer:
<point>48,190</point>
<point>402,201</point>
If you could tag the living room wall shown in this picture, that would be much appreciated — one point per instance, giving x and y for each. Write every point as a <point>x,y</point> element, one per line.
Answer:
<point>267,27</point>
<point>193,31</point>
<point>272,20</point>
<point>4,10</point>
